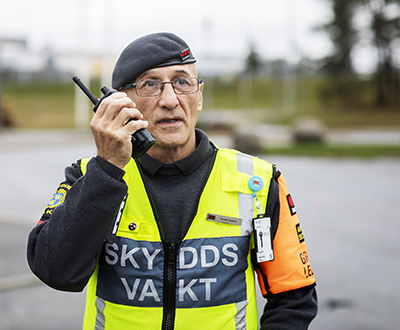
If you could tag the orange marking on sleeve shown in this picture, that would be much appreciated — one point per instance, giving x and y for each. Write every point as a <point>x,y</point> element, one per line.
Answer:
<point>287,271</point>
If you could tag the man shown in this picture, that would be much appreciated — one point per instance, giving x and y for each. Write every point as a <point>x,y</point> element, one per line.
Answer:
<point>171,240</point>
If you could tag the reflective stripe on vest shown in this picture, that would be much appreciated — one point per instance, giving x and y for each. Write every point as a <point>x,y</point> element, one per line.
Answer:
<point>215,278</point>
<point>100,319</point>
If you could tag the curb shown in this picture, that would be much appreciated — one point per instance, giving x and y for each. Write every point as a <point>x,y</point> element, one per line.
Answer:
<point>18,282</point>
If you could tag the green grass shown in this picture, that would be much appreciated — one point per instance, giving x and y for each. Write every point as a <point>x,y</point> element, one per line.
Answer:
<point>322,150</point>
<point>51,105</point>
<point>41,105</point>
<point>336,103</point>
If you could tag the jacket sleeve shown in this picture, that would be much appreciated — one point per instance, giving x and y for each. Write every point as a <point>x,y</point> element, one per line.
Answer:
<point>64,246</point>
<point>288,281</point>
<point>292,310</point>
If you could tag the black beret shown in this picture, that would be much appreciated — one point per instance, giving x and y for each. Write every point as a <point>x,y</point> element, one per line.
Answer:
<point>150,51</point>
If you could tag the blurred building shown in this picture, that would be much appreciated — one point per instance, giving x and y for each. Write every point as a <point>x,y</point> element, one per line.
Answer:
<point>19,64</point>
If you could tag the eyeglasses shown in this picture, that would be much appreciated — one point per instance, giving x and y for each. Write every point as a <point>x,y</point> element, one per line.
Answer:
<point>154,87</point>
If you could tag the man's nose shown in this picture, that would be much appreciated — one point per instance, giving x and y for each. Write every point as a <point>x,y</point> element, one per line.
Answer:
<point>168,98</point>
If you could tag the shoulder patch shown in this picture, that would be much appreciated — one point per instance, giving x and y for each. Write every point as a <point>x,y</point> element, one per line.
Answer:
<point>58,198</point>
<point>292,207</point>
<point>299,233</point>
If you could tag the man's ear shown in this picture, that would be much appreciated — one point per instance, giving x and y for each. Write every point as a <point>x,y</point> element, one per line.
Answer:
<point>200,103</point>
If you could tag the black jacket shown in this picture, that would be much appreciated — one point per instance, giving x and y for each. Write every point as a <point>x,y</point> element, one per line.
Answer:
<point>64,247</point>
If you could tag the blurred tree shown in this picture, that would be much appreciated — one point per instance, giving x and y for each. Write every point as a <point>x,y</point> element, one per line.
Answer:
<point>253,62</point>
<point>343,35</point>
<point>384,27</point>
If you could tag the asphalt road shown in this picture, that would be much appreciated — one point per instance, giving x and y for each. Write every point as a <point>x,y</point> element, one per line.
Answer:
<point>348,209</point>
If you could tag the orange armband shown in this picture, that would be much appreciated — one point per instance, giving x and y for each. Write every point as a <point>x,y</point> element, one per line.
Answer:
<point>290,268</point>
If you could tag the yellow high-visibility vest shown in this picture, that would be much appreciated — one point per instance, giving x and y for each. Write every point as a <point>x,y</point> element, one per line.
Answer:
<point>213,285</point>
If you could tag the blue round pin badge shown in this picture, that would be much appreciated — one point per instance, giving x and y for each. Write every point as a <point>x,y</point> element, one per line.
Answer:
<point>255,184</point>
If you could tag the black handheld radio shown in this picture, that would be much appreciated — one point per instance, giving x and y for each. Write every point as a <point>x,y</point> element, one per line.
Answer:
<point>142,139</point>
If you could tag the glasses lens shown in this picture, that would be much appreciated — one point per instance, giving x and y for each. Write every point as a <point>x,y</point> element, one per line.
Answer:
<point>185,85</point>
<point>150,87</point>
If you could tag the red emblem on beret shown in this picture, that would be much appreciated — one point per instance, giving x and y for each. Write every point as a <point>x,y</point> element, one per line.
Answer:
<point>185,54</point>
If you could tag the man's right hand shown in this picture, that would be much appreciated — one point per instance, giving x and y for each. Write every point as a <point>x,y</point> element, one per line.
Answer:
<point>112,128</point>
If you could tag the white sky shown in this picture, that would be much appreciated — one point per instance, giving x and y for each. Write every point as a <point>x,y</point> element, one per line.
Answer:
<point>213,28</point>
<point>222,28</point>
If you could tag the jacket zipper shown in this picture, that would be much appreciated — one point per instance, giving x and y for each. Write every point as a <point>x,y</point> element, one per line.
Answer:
<point>169,300</point>
<point>169,281</point>
<point>170,259</point>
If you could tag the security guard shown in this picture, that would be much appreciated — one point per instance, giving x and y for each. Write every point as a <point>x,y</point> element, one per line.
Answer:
<point>172,239</point>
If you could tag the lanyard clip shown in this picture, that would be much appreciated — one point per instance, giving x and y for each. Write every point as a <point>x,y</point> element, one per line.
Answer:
<point>255,184</point>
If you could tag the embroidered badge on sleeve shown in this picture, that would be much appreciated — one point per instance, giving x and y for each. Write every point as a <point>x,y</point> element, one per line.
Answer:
<point>57,199</point>
<point>292,207</point>
<point>299,233</point>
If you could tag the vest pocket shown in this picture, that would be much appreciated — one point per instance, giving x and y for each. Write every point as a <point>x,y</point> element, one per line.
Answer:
<point>132,228</point>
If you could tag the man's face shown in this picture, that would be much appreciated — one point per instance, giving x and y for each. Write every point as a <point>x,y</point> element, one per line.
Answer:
<point>171,117</point>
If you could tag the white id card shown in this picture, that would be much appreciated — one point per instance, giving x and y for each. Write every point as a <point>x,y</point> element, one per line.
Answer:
<point>262,231</point>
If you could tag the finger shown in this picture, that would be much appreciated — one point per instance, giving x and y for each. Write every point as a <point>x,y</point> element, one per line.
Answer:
<point>135,125</point>
<point>112,105</point>
<point>123,117</point>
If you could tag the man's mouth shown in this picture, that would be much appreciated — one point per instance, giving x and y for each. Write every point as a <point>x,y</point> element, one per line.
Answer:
<point>168,121</point>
